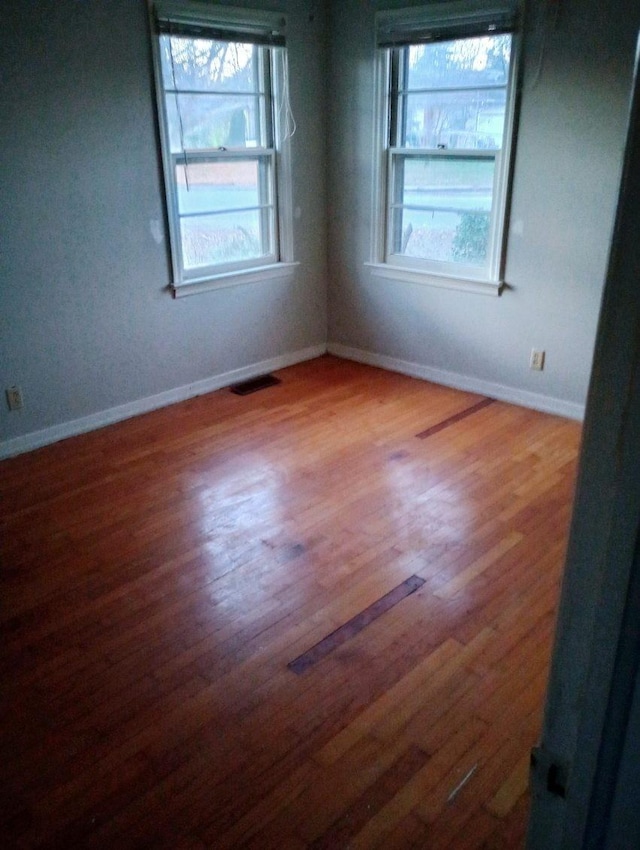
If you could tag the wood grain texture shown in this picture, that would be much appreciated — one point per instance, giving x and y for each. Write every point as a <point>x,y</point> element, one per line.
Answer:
<point>159,575</point>
<point>355,625</point>
<point>456,417</point>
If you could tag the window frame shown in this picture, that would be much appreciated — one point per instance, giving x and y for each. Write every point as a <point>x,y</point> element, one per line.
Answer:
<point>387,264</point>
<point>272,156</point>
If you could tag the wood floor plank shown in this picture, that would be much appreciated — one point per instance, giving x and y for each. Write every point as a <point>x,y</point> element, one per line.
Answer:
<point>496,757</point>
<point>456,417</point>
<point>355,625</point>
<point>475,569</point>
<point>270,806</point>
<point>158,575</point>
<point>388,702</point>
<point>411,795</point>
<point>514,787</point>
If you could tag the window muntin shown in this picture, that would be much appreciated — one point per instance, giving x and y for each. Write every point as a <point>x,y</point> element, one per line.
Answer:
<point>220,166</point>
<point>447,131</point>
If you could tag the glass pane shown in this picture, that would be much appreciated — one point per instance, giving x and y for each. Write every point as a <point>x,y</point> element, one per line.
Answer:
<point>442,208</point>
<point>206,121</point>
<point>225,238</point>
<point>206,65</point>
<point>223,185</point>
<point>471,119</point>
<point>464,62</point>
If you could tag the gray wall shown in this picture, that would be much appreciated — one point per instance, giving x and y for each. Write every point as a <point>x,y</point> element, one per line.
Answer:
<point>87,321</point>
<point>87,324</point>
<point>566,180</point>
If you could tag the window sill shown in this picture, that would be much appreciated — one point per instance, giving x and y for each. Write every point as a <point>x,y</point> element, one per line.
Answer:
<point>236,278</point>
<point>404,275</point>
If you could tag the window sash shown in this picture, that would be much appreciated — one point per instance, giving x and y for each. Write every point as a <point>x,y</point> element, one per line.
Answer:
<point>392,203</point>
<point>395,248</point>
<point>260,94</point>
<point>262,218</point>
<point>266,209</point>
<point>401,93</point>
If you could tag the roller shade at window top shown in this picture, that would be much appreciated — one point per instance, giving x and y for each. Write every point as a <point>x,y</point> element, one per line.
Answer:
<point>220,23</point>
<point>444,21</point>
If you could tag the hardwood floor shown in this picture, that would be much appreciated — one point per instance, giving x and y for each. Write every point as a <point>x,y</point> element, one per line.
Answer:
<point>159,575</point>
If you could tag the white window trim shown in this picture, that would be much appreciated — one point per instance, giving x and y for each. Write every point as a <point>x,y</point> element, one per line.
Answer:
<point>224,280</point>
<point>284,264</point>
<point>429,275</point>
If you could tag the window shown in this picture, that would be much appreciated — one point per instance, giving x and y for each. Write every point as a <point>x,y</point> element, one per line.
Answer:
<point>221,84</point>
<point>446,131</point>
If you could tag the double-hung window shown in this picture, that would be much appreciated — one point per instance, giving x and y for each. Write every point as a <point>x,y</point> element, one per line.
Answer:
<point>447,94</point>
<point>221,85</point>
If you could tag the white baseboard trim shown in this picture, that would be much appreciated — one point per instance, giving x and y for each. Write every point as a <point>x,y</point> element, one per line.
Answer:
<point>536,401</point>
<point>37,439</point>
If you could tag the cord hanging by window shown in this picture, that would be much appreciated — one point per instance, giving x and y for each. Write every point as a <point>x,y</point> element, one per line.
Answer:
<point>179,111</point>
<point>285,113</point>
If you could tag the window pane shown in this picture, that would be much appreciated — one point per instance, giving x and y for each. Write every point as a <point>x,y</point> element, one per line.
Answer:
<point>206,121</point>
<point>465,62</point>
<point>223,185</point>
<point>217,113</point>
<point>225,238</point>
<point>205,65</point>
<point>442,208</point>
<point>463,119</point>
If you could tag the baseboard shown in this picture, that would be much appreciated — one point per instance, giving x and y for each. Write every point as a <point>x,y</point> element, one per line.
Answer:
<point>37,439</point>
<point>536,401</point>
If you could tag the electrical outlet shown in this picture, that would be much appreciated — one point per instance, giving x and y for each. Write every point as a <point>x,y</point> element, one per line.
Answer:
<point>14,398</point>
<point>536,361</point>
